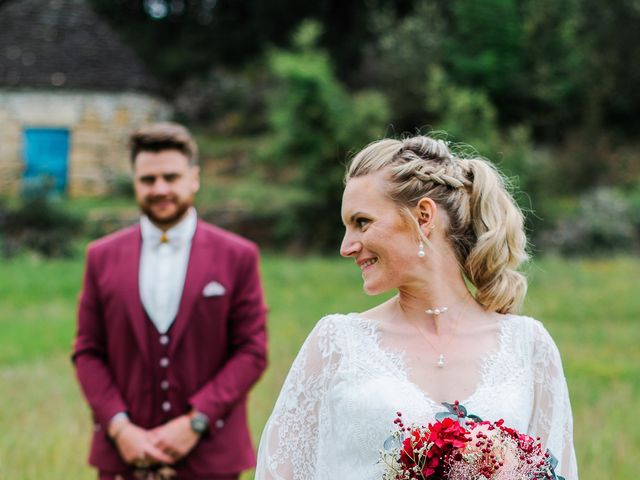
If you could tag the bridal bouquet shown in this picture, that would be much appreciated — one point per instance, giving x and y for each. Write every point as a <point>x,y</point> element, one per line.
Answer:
<point>461,447</point>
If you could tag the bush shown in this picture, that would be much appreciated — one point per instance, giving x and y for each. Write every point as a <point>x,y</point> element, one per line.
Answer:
<point>468,115</point>
<point>227,102</point>
<point>398,60</point>
<point>462,112</point>
<point>40,224</point>
<point>121,185</point>
<point>634,204</point>
<point>602,224</point>
<point>315,123</point>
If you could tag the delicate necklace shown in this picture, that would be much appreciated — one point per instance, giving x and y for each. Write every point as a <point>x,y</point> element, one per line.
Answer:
<point>435,312</point>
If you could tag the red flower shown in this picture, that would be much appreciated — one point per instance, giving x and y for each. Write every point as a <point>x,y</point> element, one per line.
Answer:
<point>448,450</point>
<point>448,434</point>
<point>412,454</point>
<point>413,447</point>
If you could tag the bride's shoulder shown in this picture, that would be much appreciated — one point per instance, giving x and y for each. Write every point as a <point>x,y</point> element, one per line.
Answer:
<point>523,322</point>
<point>340,328</point>
<point>531,331</point>
<point>330,335</point>
<point>348,328</point>
<point>340,323</point>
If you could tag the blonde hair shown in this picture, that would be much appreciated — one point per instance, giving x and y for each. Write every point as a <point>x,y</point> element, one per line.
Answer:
<point>486,227</point>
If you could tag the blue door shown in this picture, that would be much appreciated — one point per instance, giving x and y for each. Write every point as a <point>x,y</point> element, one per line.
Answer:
<point>46,152</point>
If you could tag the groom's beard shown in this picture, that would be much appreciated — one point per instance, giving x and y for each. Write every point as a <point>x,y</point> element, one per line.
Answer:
<point>165,211</point>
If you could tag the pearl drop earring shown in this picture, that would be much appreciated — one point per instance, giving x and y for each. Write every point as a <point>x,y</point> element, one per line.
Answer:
<point>421,249</point>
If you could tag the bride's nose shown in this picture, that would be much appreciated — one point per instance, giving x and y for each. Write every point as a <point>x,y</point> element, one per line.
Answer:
<point>349,246</point>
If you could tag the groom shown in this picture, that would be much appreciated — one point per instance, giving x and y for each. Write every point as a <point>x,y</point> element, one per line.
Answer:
<point>171,329</point>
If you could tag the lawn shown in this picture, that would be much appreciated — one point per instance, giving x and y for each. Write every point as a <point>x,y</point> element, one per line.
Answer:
<point>591,307</point>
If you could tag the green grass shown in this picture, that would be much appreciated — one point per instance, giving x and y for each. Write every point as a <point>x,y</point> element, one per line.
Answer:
<point>590,307</point>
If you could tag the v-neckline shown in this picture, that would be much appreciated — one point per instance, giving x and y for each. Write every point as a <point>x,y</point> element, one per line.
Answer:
<point>398,361</point>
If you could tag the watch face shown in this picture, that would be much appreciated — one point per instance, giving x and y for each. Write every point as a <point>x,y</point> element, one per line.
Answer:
<point>199,423</point>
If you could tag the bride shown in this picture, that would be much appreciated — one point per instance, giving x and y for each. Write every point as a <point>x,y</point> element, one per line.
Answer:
<point>445,233</point>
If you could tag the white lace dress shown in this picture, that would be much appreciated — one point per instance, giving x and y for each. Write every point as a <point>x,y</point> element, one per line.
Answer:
<point>340,398</point>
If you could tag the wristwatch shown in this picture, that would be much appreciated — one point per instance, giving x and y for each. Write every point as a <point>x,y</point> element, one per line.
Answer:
<point>199,422</point>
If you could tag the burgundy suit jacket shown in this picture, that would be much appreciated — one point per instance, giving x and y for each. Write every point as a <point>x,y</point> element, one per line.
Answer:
<point>217,349</point>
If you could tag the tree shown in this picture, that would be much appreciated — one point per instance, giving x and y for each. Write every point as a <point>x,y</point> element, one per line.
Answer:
<point>553,67</point>
<point>315,123</point>
<point>182,38</point>
<point>398,62</point>
<point>485,50</point>
<point>609,34</point>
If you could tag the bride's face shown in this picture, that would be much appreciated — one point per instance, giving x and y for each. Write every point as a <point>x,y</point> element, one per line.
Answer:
<point>381,241</point>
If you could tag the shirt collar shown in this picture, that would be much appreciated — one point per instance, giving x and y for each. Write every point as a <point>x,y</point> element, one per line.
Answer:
<point>176,236</point>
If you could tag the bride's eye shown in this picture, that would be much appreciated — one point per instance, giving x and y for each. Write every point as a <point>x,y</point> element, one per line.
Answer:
<point>362,222</point>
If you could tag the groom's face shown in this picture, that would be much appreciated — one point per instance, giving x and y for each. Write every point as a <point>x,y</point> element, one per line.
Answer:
<point>165,185</point>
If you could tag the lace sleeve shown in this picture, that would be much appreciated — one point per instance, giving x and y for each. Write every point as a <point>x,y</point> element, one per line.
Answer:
<point>552,419</point>
<point>289,444</point>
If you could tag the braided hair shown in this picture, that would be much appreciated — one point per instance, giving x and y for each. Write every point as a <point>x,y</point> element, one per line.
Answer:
<point>485,225</point>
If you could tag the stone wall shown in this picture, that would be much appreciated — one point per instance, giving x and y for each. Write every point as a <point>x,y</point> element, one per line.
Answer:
<point>99,125</point>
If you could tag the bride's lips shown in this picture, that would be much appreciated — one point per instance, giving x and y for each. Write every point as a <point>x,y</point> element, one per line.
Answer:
<point>367,262</point>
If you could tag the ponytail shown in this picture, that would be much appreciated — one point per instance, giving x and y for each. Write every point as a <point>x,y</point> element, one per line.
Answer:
<point>500,243</point>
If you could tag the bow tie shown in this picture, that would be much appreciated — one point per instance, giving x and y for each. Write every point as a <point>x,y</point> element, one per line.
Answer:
<point>174,241</point>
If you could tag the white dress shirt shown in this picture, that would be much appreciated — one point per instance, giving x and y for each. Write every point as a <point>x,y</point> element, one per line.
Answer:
<point>163,267</point>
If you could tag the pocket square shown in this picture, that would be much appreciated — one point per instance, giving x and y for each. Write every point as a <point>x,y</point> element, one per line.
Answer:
<point>213,289</point>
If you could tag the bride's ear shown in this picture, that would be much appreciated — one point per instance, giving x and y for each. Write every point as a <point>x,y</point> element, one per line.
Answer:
<point>426,211</point>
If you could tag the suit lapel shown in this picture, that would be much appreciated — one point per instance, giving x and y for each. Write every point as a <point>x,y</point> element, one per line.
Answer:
<point>197,271</point>
<point>129,273</point>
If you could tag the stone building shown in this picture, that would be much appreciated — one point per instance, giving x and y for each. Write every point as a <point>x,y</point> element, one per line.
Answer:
<point>70,93</point>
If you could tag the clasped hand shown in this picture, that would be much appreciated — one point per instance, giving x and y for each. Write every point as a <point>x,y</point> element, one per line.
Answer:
<point>166,444</point>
